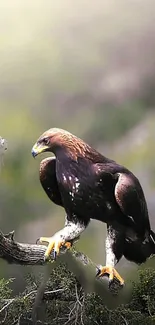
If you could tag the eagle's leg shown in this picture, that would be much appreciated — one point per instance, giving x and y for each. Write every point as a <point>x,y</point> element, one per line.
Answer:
<point>113,255</point>
<point>64,237</point>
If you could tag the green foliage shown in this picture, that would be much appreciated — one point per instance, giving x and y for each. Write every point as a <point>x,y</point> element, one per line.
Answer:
<point>72,305</point>
<point>144,290</point>
<point>5,290</point>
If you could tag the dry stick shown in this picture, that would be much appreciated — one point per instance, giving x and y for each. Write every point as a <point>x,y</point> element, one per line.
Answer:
<point>78,263</point>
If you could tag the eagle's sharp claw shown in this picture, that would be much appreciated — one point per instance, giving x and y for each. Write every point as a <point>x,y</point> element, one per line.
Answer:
<point>55,255</point>
<point>112,274</point>
<point>37,241</point>
<point>53,244</point>
<point>98,272</point>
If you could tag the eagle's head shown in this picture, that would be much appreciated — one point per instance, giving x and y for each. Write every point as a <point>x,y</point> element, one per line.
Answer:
<point>56,140</point>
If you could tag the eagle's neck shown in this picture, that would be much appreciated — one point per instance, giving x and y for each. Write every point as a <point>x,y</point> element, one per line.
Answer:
<point>77,150</point>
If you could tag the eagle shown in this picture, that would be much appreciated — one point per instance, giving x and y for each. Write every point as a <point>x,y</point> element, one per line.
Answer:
<point>89,186</point>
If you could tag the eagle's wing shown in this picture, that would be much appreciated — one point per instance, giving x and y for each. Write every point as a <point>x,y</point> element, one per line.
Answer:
<point>131,200</point>
<point>48,180</point>
<point>72,229</point>
<point>128,194</point>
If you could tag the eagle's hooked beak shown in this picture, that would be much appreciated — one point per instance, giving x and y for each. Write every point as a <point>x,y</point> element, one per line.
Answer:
<point>38,148</point>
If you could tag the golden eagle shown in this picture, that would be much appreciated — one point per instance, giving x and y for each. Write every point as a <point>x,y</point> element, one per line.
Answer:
<point>90,186</point>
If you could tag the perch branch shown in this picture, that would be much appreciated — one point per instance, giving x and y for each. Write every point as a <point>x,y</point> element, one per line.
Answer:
<point>78,263</point>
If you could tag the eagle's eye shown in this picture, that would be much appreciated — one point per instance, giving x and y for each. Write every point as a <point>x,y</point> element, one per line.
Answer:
<point>46,141</point>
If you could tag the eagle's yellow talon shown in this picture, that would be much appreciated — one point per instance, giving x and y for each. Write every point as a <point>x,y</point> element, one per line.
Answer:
<point>68,245</point>
<point>112,274</point>
<point>53,244</point>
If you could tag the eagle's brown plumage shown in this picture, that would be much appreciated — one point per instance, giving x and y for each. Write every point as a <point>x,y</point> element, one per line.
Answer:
<point>90,186</point>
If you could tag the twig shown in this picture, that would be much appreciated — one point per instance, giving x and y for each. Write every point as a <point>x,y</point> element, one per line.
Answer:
<point>125,321</point>
<point>7,305</point>
<point>10,301</point>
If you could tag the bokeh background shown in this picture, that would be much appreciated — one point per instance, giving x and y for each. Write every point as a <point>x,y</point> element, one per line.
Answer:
<point>85,66</point>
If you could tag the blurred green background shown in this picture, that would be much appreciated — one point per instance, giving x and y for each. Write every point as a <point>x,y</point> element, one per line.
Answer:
<point>85,66</point>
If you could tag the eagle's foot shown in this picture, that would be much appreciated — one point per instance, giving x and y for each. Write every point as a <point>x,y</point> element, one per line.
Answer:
<point>112,274</point>
<point>54,243</point>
